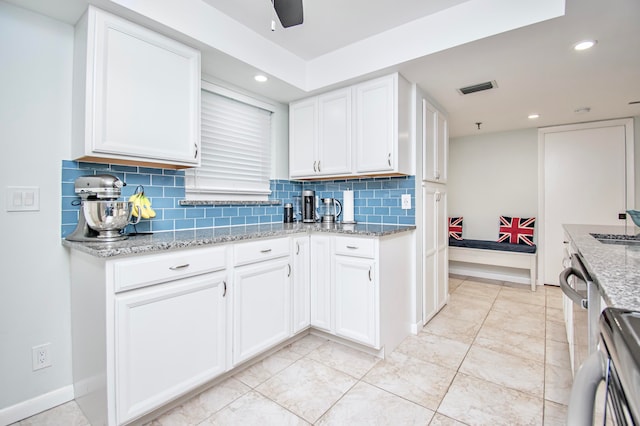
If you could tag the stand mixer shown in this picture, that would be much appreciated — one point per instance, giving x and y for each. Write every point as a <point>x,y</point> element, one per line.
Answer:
<point>101,217</point>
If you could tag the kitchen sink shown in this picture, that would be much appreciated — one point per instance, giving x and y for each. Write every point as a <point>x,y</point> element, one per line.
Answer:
<point>617,239</point>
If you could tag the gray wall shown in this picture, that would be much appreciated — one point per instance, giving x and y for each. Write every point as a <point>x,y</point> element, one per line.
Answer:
<point>35,128</point>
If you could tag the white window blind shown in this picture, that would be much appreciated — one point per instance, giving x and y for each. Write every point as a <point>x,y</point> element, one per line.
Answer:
<point>236,150</point>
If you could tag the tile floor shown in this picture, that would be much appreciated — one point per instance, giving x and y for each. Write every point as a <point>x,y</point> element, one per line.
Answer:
<point>495,355</point>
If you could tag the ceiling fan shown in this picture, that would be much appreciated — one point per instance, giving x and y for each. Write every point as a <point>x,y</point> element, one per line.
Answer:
<point>289,12</point>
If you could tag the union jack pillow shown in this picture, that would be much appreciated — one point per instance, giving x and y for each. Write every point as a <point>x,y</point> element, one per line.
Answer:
<point>455,228</point>
<point>516,230</point>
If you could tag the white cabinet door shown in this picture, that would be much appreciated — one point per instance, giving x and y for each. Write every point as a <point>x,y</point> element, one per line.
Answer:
<point>303,137</point>
<point>301,283</point>
<point>376,125</point>
<point>334,138</point>
<point>435,144</point>
<point>321,300</point>
<point>169,338</point>
<point>141,94</point>
<point>435,254</point>
<point>261,307</point>
<point>356,306</point>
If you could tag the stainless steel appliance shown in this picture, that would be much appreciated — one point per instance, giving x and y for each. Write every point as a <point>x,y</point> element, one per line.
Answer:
<point>610,376</point>
<point>581,310</point>
<point>101,216</point>
<point>308,206</point>
<point>330,209</point>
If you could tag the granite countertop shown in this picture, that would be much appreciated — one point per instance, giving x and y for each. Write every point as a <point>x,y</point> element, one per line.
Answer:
<point>172,240</point>
<point>614,267</point>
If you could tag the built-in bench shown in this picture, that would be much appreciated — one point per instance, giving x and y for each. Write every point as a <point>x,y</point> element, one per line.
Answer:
<point>493,253</point>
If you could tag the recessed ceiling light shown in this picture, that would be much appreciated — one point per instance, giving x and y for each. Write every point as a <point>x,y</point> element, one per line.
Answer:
<point>260,78</point>
<point>534,116</point>
<point>584,45</point>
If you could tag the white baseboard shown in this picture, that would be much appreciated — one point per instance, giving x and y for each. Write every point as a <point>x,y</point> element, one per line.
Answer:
<point>36,405</point>
<point>489,274</point>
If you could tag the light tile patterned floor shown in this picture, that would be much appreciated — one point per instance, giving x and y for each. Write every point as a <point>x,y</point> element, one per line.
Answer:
<point>495,355</point>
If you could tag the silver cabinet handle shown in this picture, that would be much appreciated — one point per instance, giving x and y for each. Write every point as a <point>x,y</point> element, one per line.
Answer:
<point>370,279</point>
<point>570,292</point>
<point>297,248</point>
<point>319,166</point>
<point>196,153</point>
<point>314,166</point>
<point>389,159</point>
<point>289,273</point>
<point>224,293</point>
<point>265,251</point>
<point>437,175</point>
<point>352,247</point>
<point>178,267</point>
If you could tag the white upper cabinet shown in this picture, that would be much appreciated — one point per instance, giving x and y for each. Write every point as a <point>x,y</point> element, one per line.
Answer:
<point>382,129</point>
<point>359,130</point>
<point>136,94</point>
<point>320,135</point>
<point>435,142</point>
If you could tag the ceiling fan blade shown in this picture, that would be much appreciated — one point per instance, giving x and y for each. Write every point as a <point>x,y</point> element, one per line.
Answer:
<point>289,12</point>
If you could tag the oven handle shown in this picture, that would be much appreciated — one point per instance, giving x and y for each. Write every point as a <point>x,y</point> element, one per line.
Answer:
<point>570,292</point>
<point>584,388</point>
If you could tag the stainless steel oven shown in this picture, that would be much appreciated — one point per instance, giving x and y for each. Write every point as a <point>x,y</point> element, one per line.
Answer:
<point>616,365</point>
<point>581,310</point>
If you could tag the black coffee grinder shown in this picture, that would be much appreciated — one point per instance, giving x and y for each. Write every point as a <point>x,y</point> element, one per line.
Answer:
<point>308,206</point>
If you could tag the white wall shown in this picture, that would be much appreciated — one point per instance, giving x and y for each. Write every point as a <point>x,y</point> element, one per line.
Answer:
<point>35,118</point>
<point>491,175</point>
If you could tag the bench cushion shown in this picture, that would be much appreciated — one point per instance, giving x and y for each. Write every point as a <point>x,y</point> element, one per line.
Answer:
<point>492,245</point>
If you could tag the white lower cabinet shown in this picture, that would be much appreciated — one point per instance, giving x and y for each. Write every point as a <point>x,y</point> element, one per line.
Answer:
<point>356,300</point>
<point>301,291</point>
<point>261,297</point>
<point>320,281</point>
<point>435,254</point>
<point>168,339</point>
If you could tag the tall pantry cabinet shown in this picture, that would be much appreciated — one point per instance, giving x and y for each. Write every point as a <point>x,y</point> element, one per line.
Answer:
<point>435,231</point>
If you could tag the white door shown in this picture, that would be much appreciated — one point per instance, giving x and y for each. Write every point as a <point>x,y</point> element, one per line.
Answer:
<point>301,284</point>
<point>321,282</point>
<point>435,288</point>
<point>586,180</point>
<point>261,307</point>
<point>157,329</point>
<point>355,300</point>
<point>334,140</point>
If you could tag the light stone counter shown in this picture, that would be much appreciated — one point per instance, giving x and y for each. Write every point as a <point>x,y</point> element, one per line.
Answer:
<point>614,267</point>
<point>172,240</point>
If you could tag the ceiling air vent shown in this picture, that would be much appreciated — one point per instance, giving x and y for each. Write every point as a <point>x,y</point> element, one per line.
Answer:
<point>477,87</point>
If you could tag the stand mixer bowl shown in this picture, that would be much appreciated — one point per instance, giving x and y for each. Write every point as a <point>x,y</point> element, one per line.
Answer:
<point>108,218</point>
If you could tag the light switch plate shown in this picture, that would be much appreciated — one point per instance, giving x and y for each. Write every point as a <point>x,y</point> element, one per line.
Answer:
<point>23,198</point>
<point>406,201</point>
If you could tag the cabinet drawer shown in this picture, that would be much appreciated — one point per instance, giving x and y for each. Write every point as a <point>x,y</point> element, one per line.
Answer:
<point>360,247</point>
<point>153,269</point>
<point>257,251</point>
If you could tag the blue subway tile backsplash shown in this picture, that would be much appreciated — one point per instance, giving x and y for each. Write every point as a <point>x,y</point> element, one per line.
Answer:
<point>376,200</point>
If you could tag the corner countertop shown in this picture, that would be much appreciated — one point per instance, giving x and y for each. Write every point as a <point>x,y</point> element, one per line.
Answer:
<point>172,240</point>
<point>614,267</point>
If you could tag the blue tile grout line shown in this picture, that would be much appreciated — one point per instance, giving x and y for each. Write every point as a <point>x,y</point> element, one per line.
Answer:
<point>376,200</point>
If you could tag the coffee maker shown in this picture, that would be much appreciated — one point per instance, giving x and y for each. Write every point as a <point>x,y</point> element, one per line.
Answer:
<point>101,217</point>
<point>308,206</point>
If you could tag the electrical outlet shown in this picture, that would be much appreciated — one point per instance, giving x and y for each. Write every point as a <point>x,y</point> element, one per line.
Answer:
<point>406,201</point>
<point>41,356</point>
